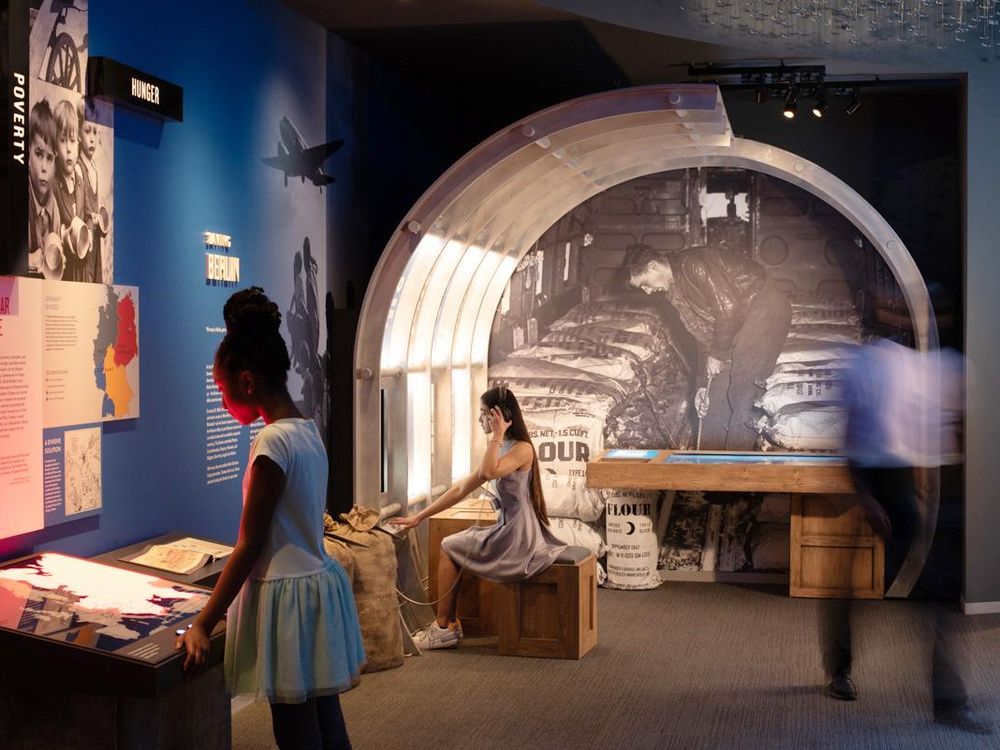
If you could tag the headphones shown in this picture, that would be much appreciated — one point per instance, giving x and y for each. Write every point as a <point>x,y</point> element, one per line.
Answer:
<point>504,410</point>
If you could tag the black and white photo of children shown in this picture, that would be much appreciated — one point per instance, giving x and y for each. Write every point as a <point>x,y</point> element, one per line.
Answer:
<point>96,167</point>
<point>45,257</point>
<point>70,169</point>
<point>70,161</point>
<point>59,245</point>
<point>69,195</point>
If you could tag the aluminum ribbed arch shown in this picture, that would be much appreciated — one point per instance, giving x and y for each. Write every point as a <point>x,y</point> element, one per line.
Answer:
<point>427,315</point>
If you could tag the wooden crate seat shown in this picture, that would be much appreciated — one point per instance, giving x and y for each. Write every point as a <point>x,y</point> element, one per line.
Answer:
<point>552,614</point>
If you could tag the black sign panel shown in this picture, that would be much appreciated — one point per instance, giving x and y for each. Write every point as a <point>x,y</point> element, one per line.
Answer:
<point>107,79</point>
<point>14,137</point>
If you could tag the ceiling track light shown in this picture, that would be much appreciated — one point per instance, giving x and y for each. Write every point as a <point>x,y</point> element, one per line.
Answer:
<point>854,105</point>
<point>820,106</point>
<point>791,105</point>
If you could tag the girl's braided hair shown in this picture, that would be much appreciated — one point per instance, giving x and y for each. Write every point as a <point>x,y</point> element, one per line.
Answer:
<point>253,340</point>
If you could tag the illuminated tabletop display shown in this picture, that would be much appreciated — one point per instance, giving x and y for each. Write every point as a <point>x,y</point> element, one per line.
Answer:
<point>97,607</point>
<point>626,454</point>
<point>827,526</point>
<point>683,457</point>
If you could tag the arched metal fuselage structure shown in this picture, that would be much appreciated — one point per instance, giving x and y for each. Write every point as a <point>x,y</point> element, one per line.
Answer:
<point>423,334</point>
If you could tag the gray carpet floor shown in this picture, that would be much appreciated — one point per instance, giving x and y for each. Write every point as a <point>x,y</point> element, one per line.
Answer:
<point>689,665</point>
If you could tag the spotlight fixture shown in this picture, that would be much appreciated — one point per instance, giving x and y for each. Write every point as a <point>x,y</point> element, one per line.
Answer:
<point>820,106</point>
<point>855,104</point>
<point>791,105</point>
<point>785,83</point>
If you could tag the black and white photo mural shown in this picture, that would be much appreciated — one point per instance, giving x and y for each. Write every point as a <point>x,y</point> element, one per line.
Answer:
<point>703,308</point>
<point>70,159</point>
<point>294,178</point>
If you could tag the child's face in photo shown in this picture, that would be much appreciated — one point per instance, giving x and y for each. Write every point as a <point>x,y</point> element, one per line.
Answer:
<point>69,148</point>
<point>88,141</point>
<point>40,164</point>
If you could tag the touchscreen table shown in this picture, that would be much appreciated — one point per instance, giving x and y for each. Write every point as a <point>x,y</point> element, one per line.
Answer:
<point>833,551</point>
<point>93,624</point>
<point>684,457</point>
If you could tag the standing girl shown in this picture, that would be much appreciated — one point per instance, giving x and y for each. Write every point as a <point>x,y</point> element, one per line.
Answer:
<point>520,545</point>
<point>292,632</point>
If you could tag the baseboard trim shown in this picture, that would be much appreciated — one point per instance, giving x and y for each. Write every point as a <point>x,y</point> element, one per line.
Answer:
<point>980,608</point>
<point>722,576</point>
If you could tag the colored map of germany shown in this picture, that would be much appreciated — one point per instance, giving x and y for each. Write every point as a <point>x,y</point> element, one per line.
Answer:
<point>116,347</point>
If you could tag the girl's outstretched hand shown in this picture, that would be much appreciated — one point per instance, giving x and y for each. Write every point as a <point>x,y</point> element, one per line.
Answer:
<point>498,426</point>
<point>407,522</point>
<point>197,644</point>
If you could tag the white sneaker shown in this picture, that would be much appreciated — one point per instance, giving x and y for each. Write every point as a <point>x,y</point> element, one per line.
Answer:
<point>456,625</point>
<point>434,636</point>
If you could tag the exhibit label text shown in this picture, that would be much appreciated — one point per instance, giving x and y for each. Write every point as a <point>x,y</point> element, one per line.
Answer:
<point>145,91</point>
<point>217,239</point>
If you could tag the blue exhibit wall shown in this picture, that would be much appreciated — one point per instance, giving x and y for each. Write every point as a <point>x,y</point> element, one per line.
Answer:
<point>404,138</point>
<point>243,66</point>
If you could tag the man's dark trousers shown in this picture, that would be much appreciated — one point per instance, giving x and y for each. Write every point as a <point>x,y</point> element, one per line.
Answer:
<point>734,391</point>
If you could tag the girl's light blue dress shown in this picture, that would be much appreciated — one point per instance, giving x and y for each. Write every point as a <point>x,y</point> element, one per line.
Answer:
<point>292,632</point>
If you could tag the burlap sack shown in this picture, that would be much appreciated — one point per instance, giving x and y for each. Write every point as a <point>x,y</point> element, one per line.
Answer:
<point>374,586</point>
<point>338,549</point>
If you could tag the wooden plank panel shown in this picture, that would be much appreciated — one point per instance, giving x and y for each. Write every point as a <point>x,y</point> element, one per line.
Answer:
<point>833,565</point>
<point>539,611</point>
<point>837,515</point>
<point>838,568</point>
<point>477,599</point>
<point>826,477</point>
<point>553,614</point>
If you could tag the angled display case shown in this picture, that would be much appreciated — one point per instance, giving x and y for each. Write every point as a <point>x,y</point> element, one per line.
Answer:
<point>69,624</point>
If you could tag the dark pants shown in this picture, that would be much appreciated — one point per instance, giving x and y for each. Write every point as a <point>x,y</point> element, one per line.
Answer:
<point>734,391</point>
<point>317,724</point>
<point>894,491</point>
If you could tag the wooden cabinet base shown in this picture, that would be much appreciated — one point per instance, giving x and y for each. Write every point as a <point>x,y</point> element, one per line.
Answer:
<point>195,715</point>
<point>477,599</point>
<point>834,552</point>
<point>553,614</point>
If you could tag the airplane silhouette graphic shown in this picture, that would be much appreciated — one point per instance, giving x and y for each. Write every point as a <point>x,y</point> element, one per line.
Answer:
<point>295,159</point>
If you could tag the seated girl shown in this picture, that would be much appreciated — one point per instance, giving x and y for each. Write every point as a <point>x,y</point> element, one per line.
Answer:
<point>519,545</point>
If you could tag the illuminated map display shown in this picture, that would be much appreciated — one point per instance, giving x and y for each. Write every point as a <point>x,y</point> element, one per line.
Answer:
<point>96,606</point>
<point>681,457</point>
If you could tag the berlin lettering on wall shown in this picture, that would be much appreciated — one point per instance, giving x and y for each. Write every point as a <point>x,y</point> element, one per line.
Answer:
<point>220,269</point>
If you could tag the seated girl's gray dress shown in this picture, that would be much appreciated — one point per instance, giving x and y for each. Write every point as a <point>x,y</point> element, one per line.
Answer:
<point>518,546</point>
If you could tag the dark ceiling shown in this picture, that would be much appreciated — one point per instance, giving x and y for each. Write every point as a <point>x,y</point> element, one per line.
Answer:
<point>496,61</point>
<point>450,42</point>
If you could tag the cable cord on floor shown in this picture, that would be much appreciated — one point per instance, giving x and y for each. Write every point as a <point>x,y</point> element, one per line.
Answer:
<point>458,578</point>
